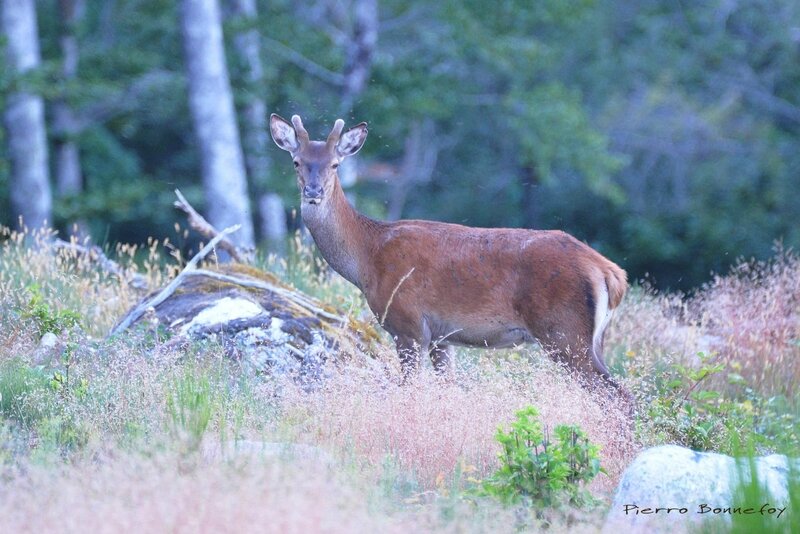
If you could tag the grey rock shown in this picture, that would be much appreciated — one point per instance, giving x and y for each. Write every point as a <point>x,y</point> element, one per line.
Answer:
<point>49,347</point>
<point>673,489</point>
<point>262,328</point>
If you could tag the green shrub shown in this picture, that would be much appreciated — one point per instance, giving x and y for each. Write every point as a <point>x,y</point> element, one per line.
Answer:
<point>691,416</point>
<point>704,419</point>
<point>47,319</point>
<point>60,434</point>
<point>540,469</point>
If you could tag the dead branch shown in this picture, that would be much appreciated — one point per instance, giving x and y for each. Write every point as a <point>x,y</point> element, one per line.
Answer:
<point>162,295</point>
<point>205,228</point>
<point>315,69</point>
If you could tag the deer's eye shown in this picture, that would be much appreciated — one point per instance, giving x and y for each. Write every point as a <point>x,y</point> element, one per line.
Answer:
<point>296,164</point>
<point>335,166</point>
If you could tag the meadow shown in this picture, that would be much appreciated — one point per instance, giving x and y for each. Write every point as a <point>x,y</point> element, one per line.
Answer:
<point>116,434</point>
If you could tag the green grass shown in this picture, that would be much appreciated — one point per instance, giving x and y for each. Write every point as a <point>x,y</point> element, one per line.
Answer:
<point>765,514</point>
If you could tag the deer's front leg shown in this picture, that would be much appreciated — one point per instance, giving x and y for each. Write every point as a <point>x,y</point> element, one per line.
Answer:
<point>441,358</point>
<point>408,349</point>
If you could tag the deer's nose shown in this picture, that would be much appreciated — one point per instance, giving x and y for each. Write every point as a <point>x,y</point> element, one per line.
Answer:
<point>312,192</point>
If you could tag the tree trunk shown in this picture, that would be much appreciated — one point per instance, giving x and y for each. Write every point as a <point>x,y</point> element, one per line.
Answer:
<point>69,176</point>
<point>360,49</point>
<point>358,63</point>
<point>31,197</point>
<point>530,186</point>
<point>211,105</point>
<point>247,45</point>
<point>273,222</point>
<point>419,162</point>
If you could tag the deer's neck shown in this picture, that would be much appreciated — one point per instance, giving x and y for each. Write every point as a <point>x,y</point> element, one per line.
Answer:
<point>343,236</point>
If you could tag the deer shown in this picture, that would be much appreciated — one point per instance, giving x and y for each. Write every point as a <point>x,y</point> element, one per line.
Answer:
<point>436,284</point>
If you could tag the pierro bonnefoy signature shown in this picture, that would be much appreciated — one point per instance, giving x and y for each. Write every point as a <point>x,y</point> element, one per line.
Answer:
<point>704,508</point>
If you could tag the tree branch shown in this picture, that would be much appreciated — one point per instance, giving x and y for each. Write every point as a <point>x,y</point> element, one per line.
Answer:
<point>165,293</point>
<point>201,225</point>
<point>333,78</point>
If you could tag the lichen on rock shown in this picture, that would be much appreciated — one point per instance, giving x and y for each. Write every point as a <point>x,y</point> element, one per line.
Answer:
<point>261,322</point>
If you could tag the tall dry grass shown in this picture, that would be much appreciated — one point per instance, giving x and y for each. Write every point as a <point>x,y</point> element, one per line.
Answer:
<point>69,280</point>
<point>401,452</point>
<point>162,494</point>
<point>433,428</point>
<point>748,319</point>
<point>753,317</point>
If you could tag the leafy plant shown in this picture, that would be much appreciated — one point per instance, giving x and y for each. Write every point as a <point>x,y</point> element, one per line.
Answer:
<point>687,414</point>
<point>60,434</point>
<point>541,469</point>
<point>47,319</point>
<point>705,419</point>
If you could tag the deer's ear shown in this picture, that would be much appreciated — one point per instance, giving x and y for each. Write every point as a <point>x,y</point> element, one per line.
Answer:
<point>352,140</point>
<point>283,133</point>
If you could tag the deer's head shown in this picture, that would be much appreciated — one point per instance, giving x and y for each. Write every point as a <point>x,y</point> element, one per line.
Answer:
<point>316,161</point>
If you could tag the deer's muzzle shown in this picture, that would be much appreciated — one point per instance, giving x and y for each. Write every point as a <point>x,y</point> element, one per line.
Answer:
<point>312,195</point>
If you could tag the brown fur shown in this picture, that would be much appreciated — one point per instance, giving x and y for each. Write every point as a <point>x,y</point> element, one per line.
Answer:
<point>432,284</point>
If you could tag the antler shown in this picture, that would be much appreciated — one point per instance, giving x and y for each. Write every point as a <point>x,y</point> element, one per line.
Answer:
<point>302,134</point>
<point>333,137</point>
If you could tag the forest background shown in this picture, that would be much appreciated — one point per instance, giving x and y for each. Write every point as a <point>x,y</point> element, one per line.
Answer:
<point>664,133</point>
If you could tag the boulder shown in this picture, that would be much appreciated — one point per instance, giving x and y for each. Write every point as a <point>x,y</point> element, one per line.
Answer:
<point>270,326</point>
<point>49,348</point>
<point>673,489</point>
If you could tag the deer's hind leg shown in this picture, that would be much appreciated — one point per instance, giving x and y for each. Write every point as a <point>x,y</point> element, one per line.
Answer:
<point>571,338</point>
<point>566,334</point>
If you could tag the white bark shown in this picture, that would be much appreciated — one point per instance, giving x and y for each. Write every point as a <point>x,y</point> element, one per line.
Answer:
<point>31,197</point>
<point>256,140</point>
<point>273,218</point>
<point>247,45</point>
<point>360,47</point>
<point>211,104</point>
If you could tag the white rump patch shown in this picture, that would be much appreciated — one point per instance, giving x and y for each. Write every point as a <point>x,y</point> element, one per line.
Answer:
<point>602,316</point>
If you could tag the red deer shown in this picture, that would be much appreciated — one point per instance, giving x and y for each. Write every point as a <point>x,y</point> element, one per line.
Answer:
<point>432,284</point>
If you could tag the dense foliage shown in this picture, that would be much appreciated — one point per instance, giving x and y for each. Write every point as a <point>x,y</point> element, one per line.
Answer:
<point>543,469</point>
<point>666,134</point>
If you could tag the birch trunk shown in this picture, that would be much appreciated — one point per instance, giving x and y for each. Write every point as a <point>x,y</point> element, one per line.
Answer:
<point>247,45</point>
<point>211,105</point>
<point>358,64</point>
<point>31,197</point>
